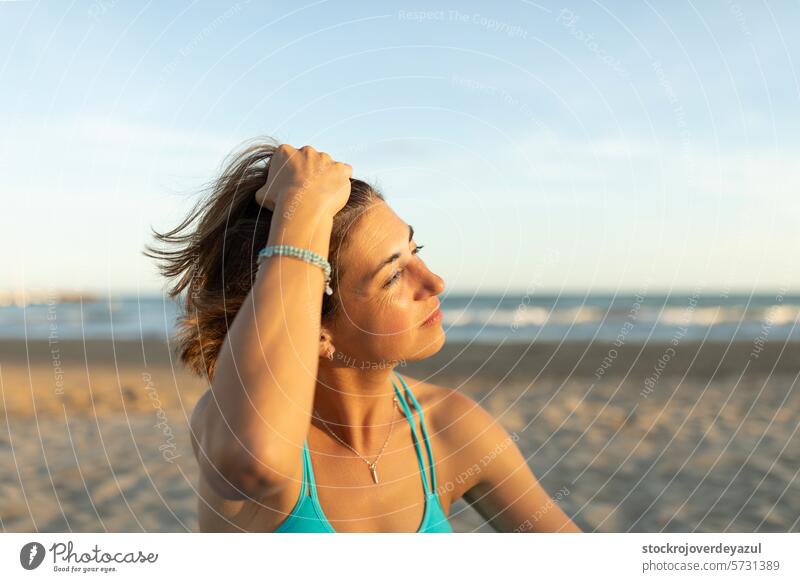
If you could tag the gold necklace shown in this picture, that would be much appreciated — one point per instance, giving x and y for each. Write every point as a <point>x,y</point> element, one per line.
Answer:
<point>372,465</point>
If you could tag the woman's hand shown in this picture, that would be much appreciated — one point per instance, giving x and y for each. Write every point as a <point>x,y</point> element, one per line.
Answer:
<point>305,181</point>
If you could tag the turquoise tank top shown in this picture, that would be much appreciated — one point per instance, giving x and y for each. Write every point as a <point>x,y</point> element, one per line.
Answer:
<point>307,515</point>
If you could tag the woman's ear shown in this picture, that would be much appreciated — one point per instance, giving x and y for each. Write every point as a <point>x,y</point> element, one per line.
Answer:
<point>326,347</point>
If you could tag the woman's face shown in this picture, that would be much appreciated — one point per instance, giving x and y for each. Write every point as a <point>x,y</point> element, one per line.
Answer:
<point>384,302</point>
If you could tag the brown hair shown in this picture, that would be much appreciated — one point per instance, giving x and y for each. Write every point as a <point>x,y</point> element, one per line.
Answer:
<point>212,253</point>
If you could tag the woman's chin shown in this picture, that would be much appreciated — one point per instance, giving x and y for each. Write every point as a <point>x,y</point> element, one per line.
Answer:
<point>433,339</point>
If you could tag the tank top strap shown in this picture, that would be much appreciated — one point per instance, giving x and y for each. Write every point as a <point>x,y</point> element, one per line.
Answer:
<point>308,473</point>
<point>410,417</point>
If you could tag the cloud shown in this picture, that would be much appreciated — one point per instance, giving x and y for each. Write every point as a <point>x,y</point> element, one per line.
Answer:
<point>107,132</point>
<point>85,154</point>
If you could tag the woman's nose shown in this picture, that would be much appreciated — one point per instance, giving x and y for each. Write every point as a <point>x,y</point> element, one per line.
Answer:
<point>439,284</point>
<point>433,282</point>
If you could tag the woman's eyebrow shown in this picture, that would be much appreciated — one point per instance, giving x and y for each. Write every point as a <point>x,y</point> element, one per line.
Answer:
<point>393,257</point>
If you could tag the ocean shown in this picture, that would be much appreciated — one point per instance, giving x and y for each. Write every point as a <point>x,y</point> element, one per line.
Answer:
<point>467,317</point>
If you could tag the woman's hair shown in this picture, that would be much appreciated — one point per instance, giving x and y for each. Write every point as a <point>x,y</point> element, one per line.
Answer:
<point>212,253</point>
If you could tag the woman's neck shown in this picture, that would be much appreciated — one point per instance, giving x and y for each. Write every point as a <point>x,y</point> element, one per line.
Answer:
<point>357,405</point>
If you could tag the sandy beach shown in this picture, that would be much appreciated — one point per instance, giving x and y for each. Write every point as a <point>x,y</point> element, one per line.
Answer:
<point>704,438</point>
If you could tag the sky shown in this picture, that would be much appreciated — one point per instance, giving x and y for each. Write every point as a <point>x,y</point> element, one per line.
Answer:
<point>550,146</point>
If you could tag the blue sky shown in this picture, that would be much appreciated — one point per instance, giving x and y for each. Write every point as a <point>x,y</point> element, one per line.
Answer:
<point>533,146</point>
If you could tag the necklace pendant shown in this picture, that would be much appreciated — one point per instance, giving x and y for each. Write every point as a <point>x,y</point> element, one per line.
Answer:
<point>374,473</point>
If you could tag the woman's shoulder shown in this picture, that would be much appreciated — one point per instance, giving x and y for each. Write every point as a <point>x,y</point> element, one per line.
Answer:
<point>463,432</point>
<point>449,412</point>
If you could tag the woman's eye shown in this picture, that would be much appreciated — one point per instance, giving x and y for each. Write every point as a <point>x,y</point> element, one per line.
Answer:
<point>396,276</point>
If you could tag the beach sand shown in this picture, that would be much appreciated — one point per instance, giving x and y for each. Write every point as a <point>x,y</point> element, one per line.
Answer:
<point>94,434</point>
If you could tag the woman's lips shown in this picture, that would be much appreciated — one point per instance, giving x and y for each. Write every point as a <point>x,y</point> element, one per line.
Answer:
<point>433,318</point>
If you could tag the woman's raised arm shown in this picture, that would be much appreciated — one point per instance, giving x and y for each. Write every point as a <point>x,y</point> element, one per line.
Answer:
<point>252,427</point>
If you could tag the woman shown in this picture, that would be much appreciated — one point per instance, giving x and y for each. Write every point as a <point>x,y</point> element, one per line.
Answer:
<point>307,425</point>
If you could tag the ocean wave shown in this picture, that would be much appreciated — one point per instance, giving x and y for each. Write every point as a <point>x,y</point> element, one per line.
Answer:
<point>669,317</point>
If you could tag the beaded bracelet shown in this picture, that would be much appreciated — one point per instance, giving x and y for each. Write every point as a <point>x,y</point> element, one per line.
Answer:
<point>302,254</point>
